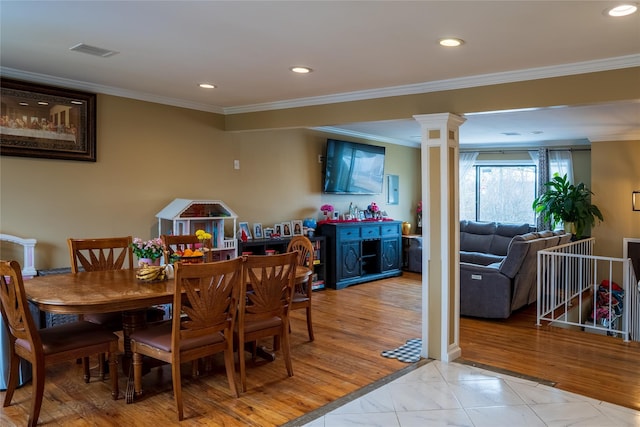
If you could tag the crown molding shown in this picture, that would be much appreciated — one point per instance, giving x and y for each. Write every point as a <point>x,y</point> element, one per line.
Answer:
<point>413,89</point>
<point>368,136</point>
<point>449,84</point>
<point>107,90</point>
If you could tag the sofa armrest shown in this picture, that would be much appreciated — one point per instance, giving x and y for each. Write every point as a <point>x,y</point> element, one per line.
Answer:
<point>484,291</point>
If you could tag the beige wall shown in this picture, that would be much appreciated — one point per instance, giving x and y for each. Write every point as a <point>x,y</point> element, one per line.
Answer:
<point>615,173</point>
<point>148,154</point>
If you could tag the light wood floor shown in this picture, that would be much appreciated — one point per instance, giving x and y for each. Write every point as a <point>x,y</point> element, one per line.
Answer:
<point>352,327</point>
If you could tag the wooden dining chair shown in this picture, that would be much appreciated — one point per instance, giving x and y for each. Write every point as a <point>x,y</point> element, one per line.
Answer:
<point>303,291</point>
<point>172,243</point>
<point>265,310</point>
<point>101,254</point>
<point>46,346</point>
<point>205,302</point>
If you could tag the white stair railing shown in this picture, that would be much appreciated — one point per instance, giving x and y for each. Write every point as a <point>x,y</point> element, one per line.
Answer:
<point>579,289</point>
<point>28,261</point>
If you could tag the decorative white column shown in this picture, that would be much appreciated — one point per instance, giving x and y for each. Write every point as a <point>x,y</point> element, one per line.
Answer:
<point>440,236</point>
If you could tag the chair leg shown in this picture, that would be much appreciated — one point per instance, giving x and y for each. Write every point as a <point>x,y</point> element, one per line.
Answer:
<point>177,388</point>
<point>286,347</point>
<point>14,365</point>
<point>137,373</point>
<point>229,366</point>
<point>241,360</point>
<point>37,370</point>
<point>101,364</point>
<point>113,371</point>
<point>310,324</point>
<point>86,368</point>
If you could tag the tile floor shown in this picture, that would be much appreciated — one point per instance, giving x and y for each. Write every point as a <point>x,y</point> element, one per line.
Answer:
<point>455,394</point>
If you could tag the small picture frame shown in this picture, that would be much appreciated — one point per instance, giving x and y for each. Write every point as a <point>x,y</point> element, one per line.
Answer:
<point>635,200</point>
<point>297,227</point>
<point>244,226</point>
<point>286,229</point>
<point>268,231</point>
<point>257,230</point>
<point>277,229</point>
<point>336,215</point>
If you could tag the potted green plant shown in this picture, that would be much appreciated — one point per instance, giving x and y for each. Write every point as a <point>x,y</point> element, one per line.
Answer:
<point>567,203</point>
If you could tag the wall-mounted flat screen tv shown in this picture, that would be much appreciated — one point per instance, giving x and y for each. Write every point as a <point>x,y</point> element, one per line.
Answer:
<point>353,168</point>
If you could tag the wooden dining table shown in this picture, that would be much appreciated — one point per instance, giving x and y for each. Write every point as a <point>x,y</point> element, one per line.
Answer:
<point>108,292</point>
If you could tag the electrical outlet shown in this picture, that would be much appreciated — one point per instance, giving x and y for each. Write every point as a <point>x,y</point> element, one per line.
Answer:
<point>320,158</point>
<point>236,164</point>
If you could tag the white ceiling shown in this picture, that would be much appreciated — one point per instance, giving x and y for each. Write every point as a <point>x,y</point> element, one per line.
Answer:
<point>357,49</point>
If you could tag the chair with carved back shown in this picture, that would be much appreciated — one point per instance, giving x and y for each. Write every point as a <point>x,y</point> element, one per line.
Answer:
<point>46,346</point>
<point>180,242</point>
<point>264,312</point>
<point>101,254</point>
<point>302,294</point>
<point>205,302</point>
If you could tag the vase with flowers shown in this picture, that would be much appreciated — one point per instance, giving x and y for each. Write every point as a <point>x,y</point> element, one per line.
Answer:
<point>205,241</point>
<point>147,251</point>
<point>419,215</point>
<point>326,210</point>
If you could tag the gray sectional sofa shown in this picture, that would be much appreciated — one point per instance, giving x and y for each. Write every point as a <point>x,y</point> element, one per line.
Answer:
<point>498,265</point>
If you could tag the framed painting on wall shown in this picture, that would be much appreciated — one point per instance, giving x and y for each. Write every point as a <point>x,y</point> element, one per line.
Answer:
<point>47,122</point>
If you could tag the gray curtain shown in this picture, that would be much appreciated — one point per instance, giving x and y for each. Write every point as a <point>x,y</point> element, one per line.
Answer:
<point>541,158</point>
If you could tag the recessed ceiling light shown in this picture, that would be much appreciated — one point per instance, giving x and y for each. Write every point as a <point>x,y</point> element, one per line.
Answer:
<point>43,103</point>
<point>450,42</point>
<point>301,70</point>
<point>207,86</point>
<point>622,10</point>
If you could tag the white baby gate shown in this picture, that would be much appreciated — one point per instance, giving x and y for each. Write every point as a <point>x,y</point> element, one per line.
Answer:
<point>579,289</point>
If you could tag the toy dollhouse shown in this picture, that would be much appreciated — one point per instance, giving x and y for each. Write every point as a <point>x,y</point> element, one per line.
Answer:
<point>185,216</point>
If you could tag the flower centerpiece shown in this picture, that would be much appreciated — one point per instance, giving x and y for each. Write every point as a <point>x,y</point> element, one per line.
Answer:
<point>147,251</point>
<point>374,209</point>
<point>205,239</point>
<point>326,210</point>
<point>419,214</point>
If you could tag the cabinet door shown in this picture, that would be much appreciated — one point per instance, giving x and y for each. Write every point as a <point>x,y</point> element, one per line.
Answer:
<point>390,254</point>
<point>349,260</point>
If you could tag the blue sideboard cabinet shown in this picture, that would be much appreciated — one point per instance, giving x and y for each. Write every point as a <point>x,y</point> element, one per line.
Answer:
<point>360,252</point>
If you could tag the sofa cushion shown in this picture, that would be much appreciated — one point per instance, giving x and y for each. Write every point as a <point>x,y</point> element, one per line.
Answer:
<point>475,227</point>
<point>518,249</point>
<point>480,258</point>
<point>476,236</point>
<point>504,234</point>
<point>564,237</point>
<point>546,233</point>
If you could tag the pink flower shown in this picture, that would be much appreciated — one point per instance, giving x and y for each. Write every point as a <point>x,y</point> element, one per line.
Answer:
<point>326,208</point>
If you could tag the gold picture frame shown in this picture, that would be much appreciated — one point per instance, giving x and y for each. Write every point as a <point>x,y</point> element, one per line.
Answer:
<point>47,122</point>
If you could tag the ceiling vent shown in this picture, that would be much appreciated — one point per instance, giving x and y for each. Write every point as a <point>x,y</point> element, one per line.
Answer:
<point>92,50</point>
